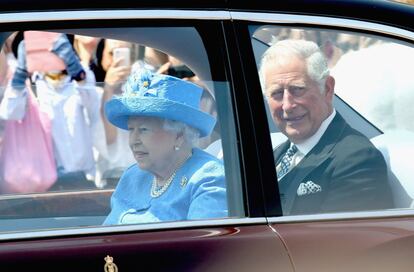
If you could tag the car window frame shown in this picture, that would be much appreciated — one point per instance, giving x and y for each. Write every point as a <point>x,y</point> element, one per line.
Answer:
<point>74,19</point>
<point>242,21</point>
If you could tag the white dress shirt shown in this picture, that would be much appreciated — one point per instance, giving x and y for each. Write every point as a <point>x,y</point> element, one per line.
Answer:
<point>306,146</point>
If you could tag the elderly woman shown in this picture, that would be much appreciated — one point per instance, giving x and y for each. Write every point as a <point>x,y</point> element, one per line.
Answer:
<point>172,179</point>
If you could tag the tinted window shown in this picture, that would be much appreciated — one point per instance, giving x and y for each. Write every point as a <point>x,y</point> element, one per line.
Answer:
<point>346,107</point>
<point>61,168</point>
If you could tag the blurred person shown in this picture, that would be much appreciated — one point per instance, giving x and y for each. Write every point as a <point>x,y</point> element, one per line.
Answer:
<point>325,165</point>
<point>172,179</point>
<point>6,70</point>
<point>86,47</point>
<point>153,59</point>
<point>8,51</point>
<point>384,72</point>
<point>8,63</point>
<point>5,74</point>
<point>108,60</point>
<point>113,155</point>
<point>174,67</point>
<point>68,97</point>
<point>212,143</point>
<point>116,74</point>
<point>347,42</point>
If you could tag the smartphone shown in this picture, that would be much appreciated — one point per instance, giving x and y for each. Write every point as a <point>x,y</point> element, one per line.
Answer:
<point>123,53</point>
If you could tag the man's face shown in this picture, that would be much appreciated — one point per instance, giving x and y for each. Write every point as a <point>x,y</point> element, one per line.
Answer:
<point>297,105</point>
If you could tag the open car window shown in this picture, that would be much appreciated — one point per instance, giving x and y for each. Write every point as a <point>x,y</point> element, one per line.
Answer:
<point>373,93</point>
<point>61,159</point>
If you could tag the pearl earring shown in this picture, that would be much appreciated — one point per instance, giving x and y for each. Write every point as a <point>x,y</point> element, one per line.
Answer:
<point>176,148</point>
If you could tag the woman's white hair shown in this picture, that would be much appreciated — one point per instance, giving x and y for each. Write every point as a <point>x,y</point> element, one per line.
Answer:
<point>317,66</point>
<point>191,135</point>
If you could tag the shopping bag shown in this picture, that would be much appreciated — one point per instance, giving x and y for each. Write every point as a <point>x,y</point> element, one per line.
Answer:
<point>27,163</point>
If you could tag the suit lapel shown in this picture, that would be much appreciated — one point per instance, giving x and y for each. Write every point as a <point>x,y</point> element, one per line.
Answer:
<point>319,154</point>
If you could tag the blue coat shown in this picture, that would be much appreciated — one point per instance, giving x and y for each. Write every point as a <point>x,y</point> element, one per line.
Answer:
<point>196,192</point>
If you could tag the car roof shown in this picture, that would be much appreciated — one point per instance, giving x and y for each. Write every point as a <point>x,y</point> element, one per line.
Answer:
<point>383,11</point>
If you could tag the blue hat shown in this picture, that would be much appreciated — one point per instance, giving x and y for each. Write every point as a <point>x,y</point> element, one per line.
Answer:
<point>163,96</point>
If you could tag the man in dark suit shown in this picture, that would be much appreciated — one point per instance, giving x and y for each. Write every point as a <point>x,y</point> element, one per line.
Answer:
<point>325,166</point>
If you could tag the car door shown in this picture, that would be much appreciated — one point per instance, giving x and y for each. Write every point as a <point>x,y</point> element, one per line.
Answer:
<point>370,57</point>
<point>60,229</point>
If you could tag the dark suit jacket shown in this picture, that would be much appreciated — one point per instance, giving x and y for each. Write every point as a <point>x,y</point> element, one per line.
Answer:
<point>351,172</point>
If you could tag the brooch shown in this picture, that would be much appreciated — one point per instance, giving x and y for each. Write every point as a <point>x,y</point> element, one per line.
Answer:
<point>183,182</point>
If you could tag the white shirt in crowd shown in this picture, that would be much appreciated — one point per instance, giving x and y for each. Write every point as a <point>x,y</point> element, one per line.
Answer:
<point>73,109</point>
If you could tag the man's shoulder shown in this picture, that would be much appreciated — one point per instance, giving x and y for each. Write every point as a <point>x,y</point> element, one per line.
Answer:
<point>352,136</point>
<point>352,144</point>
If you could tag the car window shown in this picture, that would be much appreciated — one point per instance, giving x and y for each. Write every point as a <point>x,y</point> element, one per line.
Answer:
<point>339,115</point>
<point>64,163</point>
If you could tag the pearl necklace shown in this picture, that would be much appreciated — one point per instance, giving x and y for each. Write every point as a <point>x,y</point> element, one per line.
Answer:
<point>157,191</point>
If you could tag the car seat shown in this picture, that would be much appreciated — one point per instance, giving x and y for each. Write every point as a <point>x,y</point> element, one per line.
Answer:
<point>397,147</point>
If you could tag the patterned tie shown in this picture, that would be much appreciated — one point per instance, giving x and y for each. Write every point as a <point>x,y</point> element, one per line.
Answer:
<point>286,161</point>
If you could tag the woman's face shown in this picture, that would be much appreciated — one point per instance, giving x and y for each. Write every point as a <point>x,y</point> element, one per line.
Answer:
<point>151,145</point>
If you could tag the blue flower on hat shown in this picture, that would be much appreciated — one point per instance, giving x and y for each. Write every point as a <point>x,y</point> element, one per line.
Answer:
<point>140,85</point>
<point>163,96</point>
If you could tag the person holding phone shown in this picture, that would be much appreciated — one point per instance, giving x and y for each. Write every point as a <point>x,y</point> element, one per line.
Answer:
<point>114,156</point>
<point>89,49</point>
<point>117,67</point>
<point>66,93</point>
<point>123,55</point>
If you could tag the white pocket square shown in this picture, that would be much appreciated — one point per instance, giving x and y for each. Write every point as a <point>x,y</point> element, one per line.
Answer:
<point>308,187</point>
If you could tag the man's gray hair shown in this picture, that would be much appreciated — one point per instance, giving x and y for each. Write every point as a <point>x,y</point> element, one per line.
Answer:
<point>317,66</point>
<point>191,135</point>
